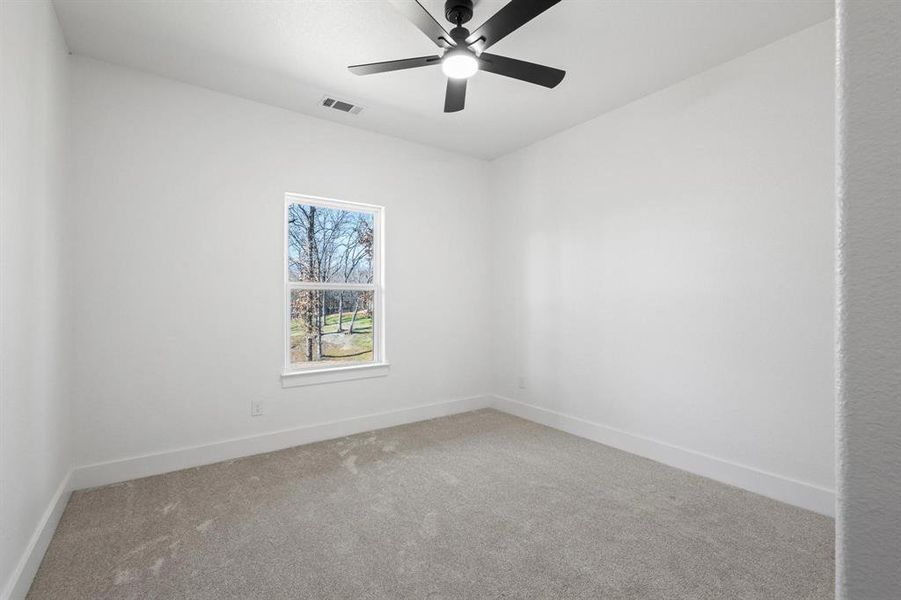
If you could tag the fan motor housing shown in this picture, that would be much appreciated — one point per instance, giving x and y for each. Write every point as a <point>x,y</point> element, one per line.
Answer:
<point>458,11</point>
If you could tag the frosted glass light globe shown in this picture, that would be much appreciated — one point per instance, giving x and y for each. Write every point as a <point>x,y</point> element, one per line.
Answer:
<point>459,65</point>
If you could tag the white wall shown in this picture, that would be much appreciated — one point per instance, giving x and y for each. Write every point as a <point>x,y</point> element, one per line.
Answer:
<point>868,111</point>
<point>665,270</point>
<point>178,263</point>
<point>34,331</point>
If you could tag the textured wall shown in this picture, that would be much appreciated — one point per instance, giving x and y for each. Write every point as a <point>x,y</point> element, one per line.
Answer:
<point>34,330</point>
<point>667,268</point>
<point>869,287</point>
<point>179,291</point>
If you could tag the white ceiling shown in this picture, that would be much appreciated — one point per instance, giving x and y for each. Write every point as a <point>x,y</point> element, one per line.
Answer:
<point>290,54</point>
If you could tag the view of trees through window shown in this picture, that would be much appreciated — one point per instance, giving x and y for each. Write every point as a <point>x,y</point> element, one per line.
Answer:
<point>330,284</point>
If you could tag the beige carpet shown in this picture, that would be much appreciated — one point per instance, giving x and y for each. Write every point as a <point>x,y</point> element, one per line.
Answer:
<point>478,505</point>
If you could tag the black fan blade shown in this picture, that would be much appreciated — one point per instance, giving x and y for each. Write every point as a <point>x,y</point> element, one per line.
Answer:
<point>519,69</point>
<point>394,65</point>
<point>505,21</point>
<point>456,95</point>
<point>424,21</point>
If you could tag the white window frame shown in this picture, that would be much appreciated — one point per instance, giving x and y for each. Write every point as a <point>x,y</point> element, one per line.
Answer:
<point>321,372</point>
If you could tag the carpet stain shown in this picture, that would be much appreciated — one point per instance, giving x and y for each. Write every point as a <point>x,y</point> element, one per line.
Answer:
<point>156,566</point>
<point>202,527</point>
<point>429,529</point>
<point>449,478</point>
<point>144,546</point>
<point>124,576</point>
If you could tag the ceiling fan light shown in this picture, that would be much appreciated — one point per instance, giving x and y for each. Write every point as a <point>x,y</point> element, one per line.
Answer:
<point>459,65</point>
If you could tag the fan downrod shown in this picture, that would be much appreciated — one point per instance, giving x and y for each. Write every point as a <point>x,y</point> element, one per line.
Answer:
<point>458,11</point>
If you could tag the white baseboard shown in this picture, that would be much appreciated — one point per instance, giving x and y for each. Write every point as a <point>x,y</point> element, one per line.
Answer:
<point>20,580</point>
<point>778,487</point>
<point>784,489</point>
<point>173,460</point>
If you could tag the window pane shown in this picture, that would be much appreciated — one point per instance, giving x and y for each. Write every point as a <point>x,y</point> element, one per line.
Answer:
<point>331,326</point>
<point>329,244</point>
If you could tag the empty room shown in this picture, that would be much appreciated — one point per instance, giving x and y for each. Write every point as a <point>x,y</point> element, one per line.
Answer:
<point>458,299</point>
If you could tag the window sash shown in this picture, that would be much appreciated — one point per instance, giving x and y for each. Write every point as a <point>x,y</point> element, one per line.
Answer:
<point>377,358</point>
<point>325,285</point>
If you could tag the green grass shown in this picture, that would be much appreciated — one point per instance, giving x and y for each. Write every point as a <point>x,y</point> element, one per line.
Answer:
<point>343,346</point>
<point>363,324</point>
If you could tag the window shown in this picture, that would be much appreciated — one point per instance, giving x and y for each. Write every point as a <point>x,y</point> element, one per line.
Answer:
<point>333,286</point>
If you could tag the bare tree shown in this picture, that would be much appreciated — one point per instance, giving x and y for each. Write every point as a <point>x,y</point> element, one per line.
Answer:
<point>364,237</point>
<point>356,250</point>
<point>305,265</point>
<point>326,245</point>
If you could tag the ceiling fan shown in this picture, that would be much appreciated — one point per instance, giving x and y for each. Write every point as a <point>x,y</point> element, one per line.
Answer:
<point>464,52</point>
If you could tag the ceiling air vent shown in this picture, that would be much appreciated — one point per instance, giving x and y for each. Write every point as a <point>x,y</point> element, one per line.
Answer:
<point>329,102</point>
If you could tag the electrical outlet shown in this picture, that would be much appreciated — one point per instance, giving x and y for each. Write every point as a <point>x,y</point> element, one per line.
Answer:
<point>256,408</point>
<point>521,382</point>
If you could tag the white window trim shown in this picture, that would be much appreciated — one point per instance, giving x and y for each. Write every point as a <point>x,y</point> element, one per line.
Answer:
<point>332,374</point>
<point>317,373</point>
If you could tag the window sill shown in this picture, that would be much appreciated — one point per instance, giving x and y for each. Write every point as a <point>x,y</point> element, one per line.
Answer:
<point>333,374</point>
